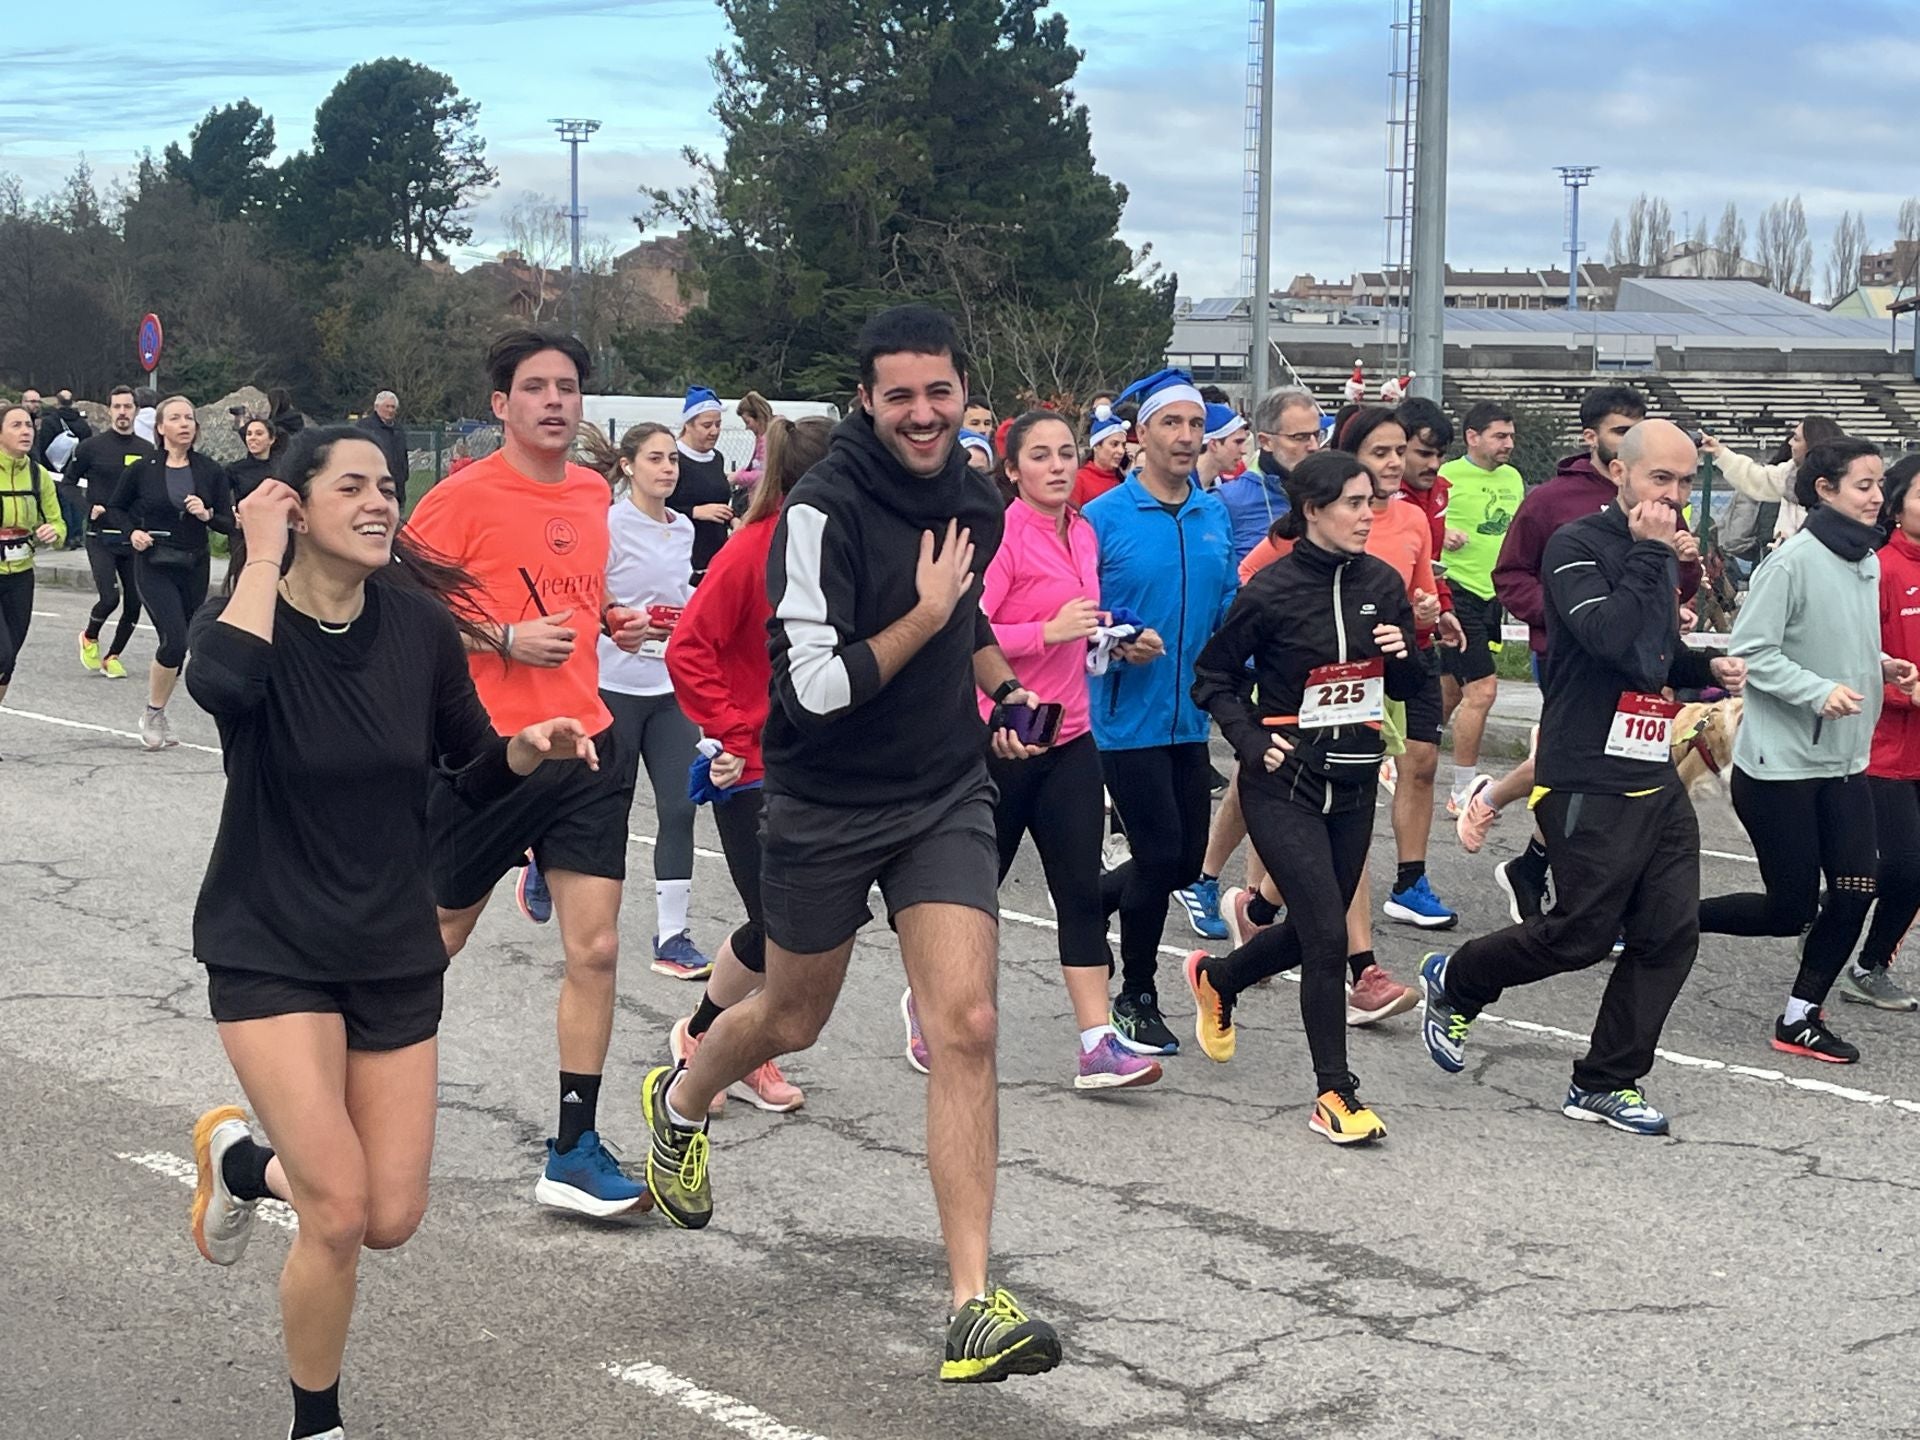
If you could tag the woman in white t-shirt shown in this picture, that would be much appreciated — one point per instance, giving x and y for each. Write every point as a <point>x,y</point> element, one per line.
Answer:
<point>649,566</point>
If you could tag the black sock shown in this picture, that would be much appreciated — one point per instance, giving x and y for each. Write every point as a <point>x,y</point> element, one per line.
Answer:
<point>315,1411</point>
<point>1409,873</point>
<point>1260,910</point>
<point>93,629</point>
<point>1356,964</point>
<point>1530,864</point>
<point>579,1108</point>
<point>244,1168</point>
<point>704,1015</point>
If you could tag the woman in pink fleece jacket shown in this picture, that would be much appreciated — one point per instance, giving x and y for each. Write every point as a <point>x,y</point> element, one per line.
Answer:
<point>1042,593</point>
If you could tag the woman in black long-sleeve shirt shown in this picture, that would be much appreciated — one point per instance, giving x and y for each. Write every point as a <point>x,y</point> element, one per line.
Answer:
<point>168,504</point>
<point>337,687</point>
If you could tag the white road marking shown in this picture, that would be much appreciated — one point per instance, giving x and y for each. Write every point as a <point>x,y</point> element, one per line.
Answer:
<point>736,1415</point>
<point>175,1167</point>
<point>100,729</point>
<point>112,620</point>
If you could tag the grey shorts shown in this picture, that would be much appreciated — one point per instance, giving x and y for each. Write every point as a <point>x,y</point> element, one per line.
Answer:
<point>820,861</point>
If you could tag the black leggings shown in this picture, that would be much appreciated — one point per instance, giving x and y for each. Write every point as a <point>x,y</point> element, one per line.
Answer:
<point>16,614</point>
<point>1317,861</point>
<point>1896,822</point>
<point>1164,798</point>
<point>172,594</point>
<point>1800,829</point>
<point>113,581</point>
<point>1055,797</point>
<point>738,822</point>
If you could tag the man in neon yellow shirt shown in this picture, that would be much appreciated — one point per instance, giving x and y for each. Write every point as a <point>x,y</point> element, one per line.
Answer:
<point>1485,491</point>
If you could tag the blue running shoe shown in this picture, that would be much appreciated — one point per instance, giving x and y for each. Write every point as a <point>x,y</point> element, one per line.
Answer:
<point>1442,1026</point>
<point>1202,902</point>
<point>1418,905</point>
<point>588,1180</point>
<point>678,957</point>
<point>1626,1110</point>
<point>531,893</point>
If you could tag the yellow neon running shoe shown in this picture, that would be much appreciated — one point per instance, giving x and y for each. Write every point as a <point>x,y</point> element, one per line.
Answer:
<point>1212,1011</point>
<point>112,668</point>
<point>89,652</point>
<point>1339,1115</point>
<point>676,1159</point>
<point>991,1337</point>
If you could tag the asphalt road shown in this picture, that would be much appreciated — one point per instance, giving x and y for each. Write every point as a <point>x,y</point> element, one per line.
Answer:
<point>1491,1270</point>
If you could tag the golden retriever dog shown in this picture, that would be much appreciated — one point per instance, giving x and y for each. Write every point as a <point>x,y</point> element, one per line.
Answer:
<point>1703,744</point>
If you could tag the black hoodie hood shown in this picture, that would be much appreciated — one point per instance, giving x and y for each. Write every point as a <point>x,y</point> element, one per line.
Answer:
<point>956,493</point>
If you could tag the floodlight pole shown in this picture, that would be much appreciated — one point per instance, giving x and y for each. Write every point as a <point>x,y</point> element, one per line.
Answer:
<point>574,134</point>
<point>1575,178</point>
<point>1428,350</point>
<point>1258,372</point>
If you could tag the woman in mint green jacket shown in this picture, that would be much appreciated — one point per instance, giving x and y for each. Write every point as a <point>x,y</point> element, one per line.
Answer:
<point>1810,634</point>
<point>29,516</point>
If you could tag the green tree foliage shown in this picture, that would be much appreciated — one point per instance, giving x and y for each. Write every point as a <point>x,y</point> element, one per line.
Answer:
<point>879,150</point>
<point>396,161</point>
<point>225,162</point>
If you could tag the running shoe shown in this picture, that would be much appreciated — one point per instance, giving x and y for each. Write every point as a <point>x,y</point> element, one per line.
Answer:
<point>1111,1066</point>
<point>1115,851</point>
<point>1418,905</point>
<point>1875,987</point>
<point>1475,817</point>
<point>1811,1037</point>
<point>992,1337</point>
<point>679,958</point>
<point>677,1158</point>
<point>1342,1118</point>
<point>767,1089</point>
<point>153,729</point>
<point>1389,775</point>
<point>1201,901</point>
<point>1377,996</point>
<point>222,1225</point>
<point>916,1043</point>
<point>1212,1011</point>
<point>1626,1110</point>
<point>530,893</point>
<point>1523,898</point>
<point>1141,1026</point>
<point>682,1046</point>
<point>89,652</point>
<point>1241,926</point>
<point>587,1179</point>
<point>1216,783</point>
<point>112,668</point>
<point>1442,1026</point>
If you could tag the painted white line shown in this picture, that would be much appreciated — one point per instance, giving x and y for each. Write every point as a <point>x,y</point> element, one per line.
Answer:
<point>174,1167</point>
<point>736,1415</point>
<point>99,729</point>
<point>111,621</point>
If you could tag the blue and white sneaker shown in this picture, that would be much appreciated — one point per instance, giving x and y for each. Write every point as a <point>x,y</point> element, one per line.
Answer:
<point>531,893</point>
<point>1442,1026</point>
<point>680,958</point>
<point>1626,1110</point>
<point>588,1180</point>
<point>1418,905</point>
<point>1202,902</point>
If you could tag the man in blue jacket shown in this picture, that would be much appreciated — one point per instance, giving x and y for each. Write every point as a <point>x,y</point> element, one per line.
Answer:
<point>1166,553</point>
<point>1286,426</point>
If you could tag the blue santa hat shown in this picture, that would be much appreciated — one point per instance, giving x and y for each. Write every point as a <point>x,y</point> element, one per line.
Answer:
<point>1222,421</point>
<point>700,401</point>
<point>1105,424</point>
<point>974,440</point>
<point>1163,388</point>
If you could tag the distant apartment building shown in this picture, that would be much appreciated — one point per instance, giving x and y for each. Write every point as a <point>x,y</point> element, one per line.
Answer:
<point>1890,267</point>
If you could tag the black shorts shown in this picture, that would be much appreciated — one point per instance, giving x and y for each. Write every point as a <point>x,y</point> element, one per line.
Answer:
<point>1425,712</point>
<point>572,818</point>
<point>819,861</point>
<point>1481,619</point>
<point>379,1014</point>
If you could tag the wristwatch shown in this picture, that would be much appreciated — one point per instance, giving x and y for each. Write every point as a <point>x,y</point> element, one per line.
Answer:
<point>1005,688</point>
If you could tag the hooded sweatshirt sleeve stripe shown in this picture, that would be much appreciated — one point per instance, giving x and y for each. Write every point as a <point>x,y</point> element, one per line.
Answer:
<point>819,671</point>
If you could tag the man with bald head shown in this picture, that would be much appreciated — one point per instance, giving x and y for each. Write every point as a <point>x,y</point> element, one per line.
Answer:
<point>391,438</point>
<point>1619,829</point>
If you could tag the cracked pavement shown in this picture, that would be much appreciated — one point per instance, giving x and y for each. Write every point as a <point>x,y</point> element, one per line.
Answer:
<point>1491,1270</point>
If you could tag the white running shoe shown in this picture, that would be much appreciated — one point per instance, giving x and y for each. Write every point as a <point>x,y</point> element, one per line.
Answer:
<point>222,1225</point>
<point>153,729</point>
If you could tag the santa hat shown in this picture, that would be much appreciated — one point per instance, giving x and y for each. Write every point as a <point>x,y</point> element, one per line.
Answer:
<point>700,401</point>
<point>1163,388</point>
<point>974,440</point>
<point>1223,421</point>
<point>1105,424</point>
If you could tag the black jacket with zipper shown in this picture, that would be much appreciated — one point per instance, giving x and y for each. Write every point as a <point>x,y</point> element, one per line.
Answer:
<point>1309,608</point>
<point>141,502</point>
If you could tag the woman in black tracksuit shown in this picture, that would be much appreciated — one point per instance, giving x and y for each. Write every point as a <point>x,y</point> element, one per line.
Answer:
<point>1306,782</point>
<point>168,505</point>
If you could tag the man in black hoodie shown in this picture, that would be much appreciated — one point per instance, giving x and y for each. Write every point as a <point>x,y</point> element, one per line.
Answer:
<point>876,771</point>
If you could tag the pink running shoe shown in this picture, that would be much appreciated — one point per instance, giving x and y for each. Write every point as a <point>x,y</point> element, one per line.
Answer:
<point>767,1089</point>
<point>1377,996</point>
<point>1476,816</point>
<point>1111,1066</point>
<point>682,1045</point>
<point>916,1046</point>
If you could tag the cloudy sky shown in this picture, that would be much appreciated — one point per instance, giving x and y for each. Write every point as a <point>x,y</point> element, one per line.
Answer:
<point>1703,101</point>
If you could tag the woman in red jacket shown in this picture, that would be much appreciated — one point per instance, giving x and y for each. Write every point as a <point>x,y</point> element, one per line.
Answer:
<point>1893,769</point>
<point>721,677</point>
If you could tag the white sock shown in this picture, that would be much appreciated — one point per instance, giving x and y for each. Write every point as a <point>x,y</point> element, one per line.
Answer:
<point>679,1121</point>
<point>1462,778</point>
<point>1798,1010</point>
<point>670,899</point>
<point>1860,972</point>
<point>1092,1037</point>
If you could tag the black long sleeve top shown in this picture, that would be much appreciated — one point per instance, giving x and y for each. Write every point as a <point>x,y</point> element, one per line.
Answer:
<point>141,501</point>
<point>328,743</point>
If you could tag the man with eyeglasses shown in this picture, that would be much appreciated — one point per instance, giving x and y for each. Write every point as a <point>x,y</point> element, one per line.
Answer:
<point>1286,427</point>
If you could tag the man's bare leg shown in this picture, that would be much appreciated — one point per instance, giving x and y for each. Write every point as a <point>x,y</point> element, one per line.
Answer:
<point>785,1015</point>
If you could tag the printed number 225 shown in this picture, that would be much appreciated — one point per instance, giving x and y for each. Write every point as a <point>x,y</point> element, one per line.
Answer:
<point>1341,692</point>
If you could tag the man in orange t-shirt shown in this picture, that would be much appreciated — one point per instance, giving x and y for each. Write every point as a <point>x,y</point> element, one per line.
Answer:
<point>531,531</point>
